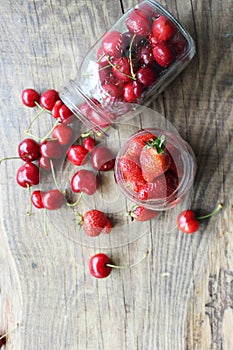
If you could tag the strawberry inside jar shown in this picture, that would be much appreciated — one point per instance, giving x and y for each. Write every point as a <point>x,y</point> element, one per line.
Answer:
<point>155,169</point>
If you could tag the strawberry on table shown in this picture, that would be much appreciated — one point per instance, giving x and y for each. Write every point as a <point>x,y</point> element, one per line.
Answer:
<point>139,213</point>
<point>95,222</point>
<point>154,159</point>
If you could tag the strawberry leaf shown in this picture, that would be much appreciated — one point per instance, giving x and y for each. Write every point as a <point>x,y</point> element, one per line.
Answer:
<point>159,144</point>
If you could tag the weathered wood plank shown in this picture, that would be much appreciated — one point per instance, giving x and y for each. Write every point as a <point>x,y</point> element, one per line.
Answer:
<point>180,297</point>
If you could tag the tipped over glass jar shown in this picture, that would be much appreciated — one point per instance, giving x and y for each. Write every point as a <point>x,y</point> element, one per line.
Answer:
<point>133,62</point>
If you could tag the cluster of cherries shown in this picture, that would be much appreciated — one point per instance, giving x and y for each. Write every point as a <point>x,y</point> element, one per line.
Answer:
<point>130,63</point>
<point>44,154</point>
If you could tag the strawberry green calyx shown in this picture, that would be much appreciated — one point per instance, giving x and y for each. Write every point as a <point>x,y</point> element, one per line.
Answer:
<point>79,218</point>
<point>159,144</point>
<point>131,212</point>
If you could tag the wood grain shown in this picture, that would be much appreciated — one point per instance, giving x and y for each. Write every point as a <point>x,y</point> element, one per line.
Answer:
<point>181,296</point>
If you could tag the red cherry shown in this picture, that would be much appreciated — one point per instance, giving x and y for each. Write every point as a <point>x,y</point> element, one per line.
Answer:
<point>113,43</point>
<point>98,265</point>
<point>29,97</point>
<point>84,181</point>
<point>163,54</point>
<point>92,115</point>
<point>132,91</point>
<point>188,223</point>
<point>102,57</point>
<point>53,199</point>
<point>28,175</point>
<point>149,10</point>
<point>51,149</point>
<point>77,154</point>
<point>66,115</point>
<point>145,55</point>
<point>138,22</point>
<point>3,340</point>
<point>163,29</point>
<point>89,143</point>
<point>102,159</point>
<point>153,41</point>
<point>63,133</point>
<point>179,44</point>
<point>111,90</point>
<point>135,41</point>
<point>121,69</point>
<point>146,76</point>
<point>44,163</point>
<point>48,99</point>
<point>56,108</point>
<point>29,150</point>
<point>105,73</point>
<point>36,199</point>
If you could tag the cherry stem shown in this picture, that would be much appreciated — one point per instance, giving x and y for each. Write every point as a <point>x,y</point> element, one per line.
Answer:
<point>129,266</point>
<point>104,67</point>
<point>54,177</point>
<point>86,134</point>
<point>28,213</point>
<point>41,110</point>
<point>215,211</point>
<point>76,202</point>
<point>99,134</point>
<point>130,57</point>
<point>115,66</point>
<point>33,136</point>
<point>34,119</point>
<point>103,132</point>
<point>100,58</point>
<point>7,333</point>
<point>8,158</point>
<point>47,135</point>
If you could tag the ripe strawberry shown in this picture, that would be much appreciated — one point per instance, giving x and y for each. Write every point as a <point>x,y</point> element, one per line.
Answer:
<point>94,222</point>
<point>162,187</point>
<point>140,213</point>
<point>131,172</point>
<point>154,159</point>
<point>137,143</point>
<point>108,226</point>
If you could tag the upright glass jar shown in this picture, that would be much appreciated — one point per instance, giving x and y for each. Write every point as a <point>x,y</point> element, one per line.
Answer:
<point>155,168</point>
<point>133,62</point>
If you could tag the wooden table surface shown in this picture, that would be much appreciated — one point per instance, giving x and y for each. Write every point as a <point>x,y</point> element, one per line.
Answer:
<point>180,296</point>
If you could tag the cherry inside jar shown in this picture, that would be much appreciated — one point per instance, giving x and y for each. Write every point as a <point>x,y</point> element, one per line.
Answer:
<point>132,63</point>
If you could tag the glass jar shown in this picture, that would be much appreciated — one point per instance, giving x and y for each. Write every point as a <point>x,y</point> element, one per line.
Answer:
<point>133,62</point>
<point>152,180</point>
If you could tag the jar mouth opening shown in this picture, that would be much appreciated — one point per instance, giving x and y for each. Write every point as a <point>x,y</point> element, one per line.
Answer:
<point>185,177</point>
